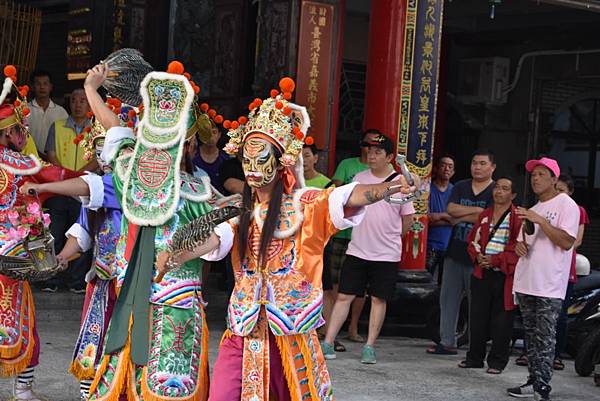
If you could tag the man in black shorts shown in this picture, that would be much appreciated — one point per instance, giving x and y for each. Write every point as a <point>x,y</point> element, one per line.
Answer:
<point>373,254</point>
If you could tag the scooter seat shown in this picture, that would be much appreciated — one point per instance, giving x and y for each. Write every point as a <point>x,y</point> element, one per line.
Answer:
<point>588,282</point>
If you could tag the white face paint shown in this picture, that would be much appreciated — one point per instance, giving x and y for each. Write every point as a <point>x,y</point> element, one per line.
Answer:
<point>99,146</point>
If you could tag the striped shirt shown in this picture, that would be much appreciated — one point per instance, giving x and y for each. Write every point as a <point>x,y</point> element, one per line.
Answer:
<point>499,239</point>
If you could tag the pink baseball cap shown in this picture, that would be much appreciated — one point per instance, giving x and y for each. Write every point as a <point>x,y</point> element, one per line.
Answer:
<point>550,164</point>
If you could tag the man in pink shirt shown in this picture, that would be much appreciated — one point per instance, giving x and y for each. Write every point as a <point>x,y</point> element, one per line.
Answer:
<point>542,273</point>
<point>373,253</point>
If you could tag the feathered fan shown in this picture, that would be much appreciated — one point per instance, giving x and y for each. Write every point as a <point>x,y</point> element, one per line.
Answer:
<point>197,231</point>
<point>127,68</point>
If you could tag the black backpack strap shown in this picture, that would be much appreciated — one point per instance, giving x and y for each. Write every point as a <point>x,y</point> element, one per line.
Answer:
<point>392,176</point>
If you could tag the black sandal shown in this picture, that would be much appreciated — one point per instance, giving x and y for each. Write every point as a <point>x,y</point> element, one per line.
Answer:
<point>558,364</point>
<point>466,364</point>
<point>522,360</point>
<point>338,346</point>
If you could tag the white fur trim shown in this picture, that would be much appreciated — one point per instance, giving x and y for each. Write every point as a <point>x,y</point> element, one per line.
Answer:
<point>34,170</point>
<point>114,136</point>
<point>200,197</point>
<point>298,212</point>
<point>5,89</point>
<point>83,238</point>
<point>305,117</point>
<point>96,198</point>
<point>225,234</point>
<point>337,201</point>
<point>181,126</point>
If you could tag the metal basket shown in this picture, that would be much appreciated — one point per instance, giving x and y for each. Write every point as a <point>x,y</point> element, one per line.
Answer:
<point>41,264</point>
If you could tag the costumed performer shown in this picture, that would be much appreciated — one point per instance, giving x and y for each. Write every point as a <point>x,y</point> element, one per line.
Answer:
<point>156,347</point>
<point>98,226</point>
<point>19,342</point>
<point>270,350</point>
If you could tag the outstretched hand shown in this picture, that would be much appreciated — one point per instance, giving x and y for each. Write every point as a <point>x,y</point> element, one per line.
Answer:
<point>96,76</point>
<point>28,186</point>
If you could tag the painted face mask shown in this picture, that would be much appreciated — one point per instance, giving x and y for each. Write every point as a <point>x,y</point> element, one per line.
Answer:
<point>99,146</point>
<point>259,162</point>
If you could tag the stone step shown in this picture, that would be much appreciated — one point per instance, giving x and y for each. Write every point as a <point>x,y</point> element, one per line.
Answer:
<point>58,306</point>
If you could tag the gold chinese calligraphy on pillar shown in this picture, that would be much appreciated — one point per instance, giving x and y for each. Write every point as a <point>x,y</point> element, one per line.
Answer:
<point>423,28</point>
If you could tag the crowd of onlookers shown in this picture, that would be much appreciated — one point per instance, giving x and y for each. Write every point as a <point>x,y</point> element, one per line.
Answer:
<point>479,242</point>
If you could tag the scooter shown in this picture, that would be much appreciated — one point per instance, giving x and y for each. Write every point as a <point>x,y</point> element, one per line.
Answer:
<point>584,302</point>
<point>588,354</point>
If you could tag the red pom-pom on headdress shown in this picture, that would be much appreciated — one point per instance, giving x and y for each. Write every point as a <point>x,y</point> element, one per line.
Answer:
<point>235,125</point>
<point>10,70</point>
<point>226,124</point>
<point>309,140</point>
<point>212,113</point>
<point>279,105</point>
<point>242,120</point>
<point>175,67</point>
<point>204,107</point>
<point>287,111</point>
<point>274,93</point>
<point>287,95</point>
<point>218,119</point>
<point>287,84</point>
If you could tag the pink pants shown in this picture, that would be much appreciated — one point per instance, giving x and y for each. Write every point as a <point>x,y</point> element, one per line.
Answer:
<point>226,384</point>
<point>35,357</point>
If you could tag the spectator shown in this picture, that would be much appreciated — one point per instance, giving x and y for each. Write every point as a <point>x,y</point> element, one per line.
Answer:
<point>542,273</point>
<point>61,147</point>
<point>210,156</point>
<point>566,185</point>
<point>64,211</point>
<point>468,199</point>
<point>312,178</point>
<point>344,174</point>
<point>373,254</point>
<point>440,222</point>
<point>491,245</point>
<point>44,112</point>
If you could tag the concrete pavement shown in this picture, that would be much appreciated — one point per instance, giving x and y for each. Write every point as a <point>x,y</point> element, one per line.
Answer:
<point>403,372</point>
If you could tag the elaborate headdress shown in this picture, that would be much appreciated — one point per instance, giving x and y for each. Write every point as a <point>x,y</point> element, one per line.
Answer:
<point>127,117</point>
<point>17,112</point>
<point>276,119</point>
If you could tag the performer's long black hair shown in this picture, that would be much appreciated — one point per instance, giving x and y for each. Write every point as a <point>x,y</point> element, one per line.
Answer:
<point>270,224</point>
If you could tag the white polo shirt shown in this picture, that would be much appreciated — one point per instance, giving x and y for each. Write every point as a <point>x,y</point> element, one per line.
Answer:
<point>40,120</point>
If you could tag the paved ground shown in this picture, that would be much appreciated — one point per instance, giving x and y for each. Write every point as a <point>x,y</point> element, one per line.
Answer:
<point>404,371</point>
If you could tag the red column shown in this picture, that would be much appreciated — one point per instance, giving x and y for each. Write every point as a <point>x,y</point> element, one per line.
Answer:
<point>384,68</point>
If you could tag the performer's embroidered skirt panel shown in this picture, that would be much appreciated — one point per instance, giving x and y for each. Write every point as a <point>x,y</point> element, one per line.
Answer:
<point>18,348</point>
<point>100,300</point>
<point>177,363</point>
<point>261,365</point>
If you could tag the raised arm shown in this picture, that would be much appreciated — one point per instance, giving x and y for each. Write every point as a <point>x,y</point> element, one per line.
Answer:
<point>93,81</point>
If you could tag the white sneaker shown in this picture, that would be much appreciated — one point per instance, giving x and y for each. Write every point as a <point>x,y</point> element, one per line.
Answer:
<point>24,392</point>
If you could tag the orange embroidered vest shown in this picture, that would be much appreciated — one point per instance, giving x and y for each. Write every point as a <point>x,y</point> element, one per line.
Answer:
<point>289,286</point>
